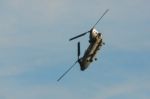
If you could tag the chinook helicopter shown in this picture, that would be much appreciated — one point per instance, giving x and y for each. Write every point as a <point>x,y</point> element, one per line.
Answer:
<point>96,42</point>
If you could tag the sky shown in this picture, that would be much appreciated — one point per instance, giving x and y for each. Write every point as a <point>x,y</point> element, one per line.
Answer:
<point>35,51</point>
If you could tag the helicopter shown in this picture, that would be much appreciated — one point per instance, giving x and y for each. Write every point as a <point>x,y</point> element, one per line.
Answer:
<point>96,42</point>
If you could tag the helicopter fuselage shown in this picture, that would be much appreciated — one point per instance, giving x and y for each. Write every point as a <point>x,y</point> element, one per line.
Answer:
<point>90,53</point>
<point>95,41</point>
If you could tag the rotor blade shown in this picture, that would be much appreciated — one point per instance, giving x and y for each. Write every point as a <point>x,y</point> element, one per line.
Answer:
<point>67,71</point>
<point>101,17</point>
<point>78,50</point>
<point>78,36</point>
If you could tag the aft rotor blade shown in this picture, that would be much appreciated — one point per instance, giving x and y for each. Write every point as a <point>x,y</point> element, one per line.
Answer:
<point>67,71</point>
<point>78,36</point>
<point>101,17</point>
<point>78,50</point>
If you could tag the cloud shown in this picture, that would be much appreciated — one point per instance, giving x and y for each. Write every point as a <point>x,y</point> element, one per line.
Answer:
<point>10,71</point>
<point>27,38</point>
<point>30,16</point>
<point>128,89</point>
<point>34,36</point>
<point>47,91</point>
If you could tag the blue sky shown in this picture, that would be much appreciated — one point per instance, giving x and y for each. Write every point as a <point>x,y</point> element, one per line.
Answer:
<point>35,51</point>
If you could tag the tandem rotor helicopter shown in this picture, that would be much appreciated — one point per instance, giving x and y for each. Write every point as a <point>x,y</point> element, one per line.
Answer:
<point>96,42</point>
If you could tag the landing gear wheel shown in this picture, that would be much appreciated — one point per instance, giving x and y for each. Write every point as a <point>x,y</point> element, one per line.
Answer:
<point>91,60</point>
<point>103,43</point>
<point>95,59</point>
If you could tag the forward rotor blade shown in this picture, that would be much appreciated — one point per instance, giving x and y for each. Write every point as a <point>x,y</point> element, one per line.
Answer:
<point>78,36</point>
<point>101,17</point>
<point>67,71</point>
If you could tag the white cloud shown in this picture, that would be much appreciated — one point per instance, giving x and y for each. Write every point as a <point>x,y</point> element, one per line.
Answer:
<point>10,71</point>
<point>46,91</point>
<point>128,89</point>
<point>38,14</point>
<point>23,24</point>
